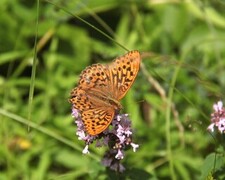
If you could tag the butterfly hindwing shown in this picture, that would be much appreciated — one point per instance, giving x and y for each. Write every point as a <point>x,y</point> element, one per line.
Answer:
<point>97,120</point>
<point>80,100</point>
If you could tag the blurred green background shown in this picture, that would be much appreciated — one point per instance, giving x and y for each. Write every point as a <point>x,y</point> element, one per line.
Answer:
<point>169,104</point>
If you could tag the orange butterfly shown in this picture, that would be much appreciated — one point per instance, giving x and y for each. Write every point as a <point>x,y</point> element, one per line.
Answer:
<point>100,89</point>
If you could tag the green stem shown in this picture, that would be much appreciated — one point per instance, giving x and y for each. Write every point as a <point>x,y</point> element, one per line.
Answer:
<point>168,121</point>
<point>33,73</point>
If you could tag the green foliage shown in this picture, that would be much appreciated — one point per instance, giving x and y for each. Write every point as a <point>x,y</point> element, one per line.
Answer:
<point>170,119</point>
<point>216,167</point>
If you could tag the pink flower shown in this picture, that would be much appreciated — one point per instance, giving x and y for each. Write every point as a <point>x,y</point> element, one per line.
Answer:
<point>218,107</point>
<point>221,125</point>
<point>218,118</point>
<point>119,155</point>
<point>85,150</point>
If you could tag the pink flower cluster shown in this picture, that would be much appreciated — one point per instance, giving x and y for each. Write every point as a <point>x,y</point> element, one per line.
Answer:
<point>116,138</point>
<point>218,118</point>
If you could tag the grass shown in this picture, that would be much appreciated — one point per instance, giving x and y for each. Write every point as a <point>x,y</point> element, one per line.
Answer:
<point>44,46</point>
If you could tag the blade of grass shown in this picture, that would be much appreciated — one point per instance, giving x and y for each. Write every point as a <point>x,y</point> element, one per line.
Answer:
<point>43,130</point>
<point>33,73</point>
<point>92,26</point>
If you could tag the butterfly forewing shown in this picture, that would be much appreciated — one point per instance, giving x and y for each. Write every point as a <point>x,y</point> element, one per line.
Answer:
<point>94,77</point>
<point>123,72</point>
<point>85,100</point>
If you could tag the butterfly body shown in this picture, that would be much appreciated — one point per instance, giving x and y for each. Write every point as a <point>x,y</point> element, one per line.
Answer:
<point>100,89</point>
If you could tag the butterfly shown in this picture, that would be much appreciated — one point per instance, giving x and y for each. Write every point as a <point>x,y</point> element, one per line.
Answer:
<point>100,89</point>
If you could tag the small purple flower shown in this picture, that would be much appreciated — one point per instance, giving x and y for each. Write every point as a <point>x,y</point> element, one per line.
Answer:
<point>75,113</point>
<point>134,146</point>
<point>119,154</point>
<point>218,118</point>
<point>85,150</point>
<point>81,135</point>
<point>117,138</point>
<point>218,107</point>
<point>221,125</point>
<point>112,163</point>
